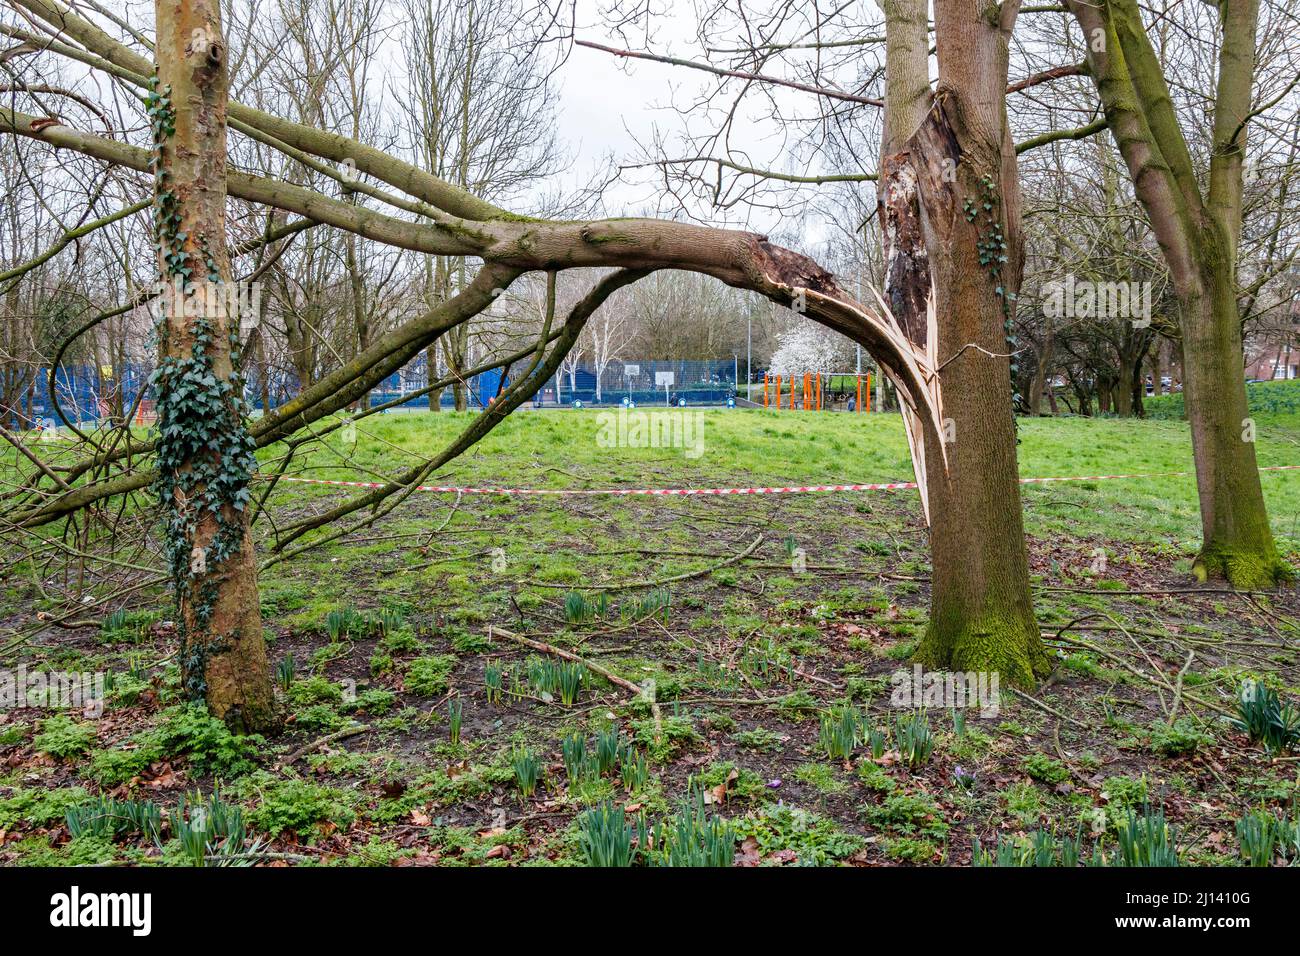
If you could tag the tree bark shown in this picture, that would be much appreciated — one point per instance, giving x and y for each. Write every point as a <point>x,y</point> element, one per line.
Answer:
<point>1042,372</point>
<point>1237,542</point>
<point>1123,391</point>
<point>962,156</point>
<point>1158,368</point>
<point>205,451</point>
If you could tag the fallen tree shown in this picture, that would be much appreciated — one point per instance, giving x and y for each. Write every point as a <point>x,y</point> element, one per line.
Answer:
<point>953,371</point>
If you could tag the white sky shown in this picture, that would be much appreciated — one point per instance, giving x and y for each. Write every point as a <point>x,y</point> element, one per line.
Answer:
<point>609,103</point>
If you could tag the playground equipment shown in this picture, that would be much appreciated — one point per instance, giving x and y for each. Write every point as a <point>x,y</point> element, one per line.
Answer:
<point>809,391</point>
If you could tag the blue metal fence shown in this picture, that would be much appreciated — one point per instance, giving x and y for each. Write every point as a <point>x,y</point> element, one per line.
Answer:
<point>87,394</point>
<point>644,381</point>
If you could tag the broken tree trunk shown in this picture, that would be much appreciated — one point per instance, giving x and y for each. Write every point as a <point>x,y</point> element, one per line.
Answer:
<point>950,210</point>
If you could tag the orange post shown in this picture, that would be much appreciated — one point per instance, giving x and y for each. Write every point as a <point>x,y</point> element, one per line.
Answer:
<point>858,406</point>
<point>765,390</point>
<point>868,391</point>
<point>819,391</point>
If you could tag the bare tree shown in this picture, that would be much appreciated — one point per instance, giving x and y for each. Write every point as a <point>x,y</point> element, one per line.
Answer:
<point>1199,231</point>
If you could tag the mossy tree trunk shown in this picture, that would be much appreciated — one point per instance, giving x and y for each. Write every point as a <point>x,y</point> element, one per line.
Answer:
<point>205,452</point>
<point>1237,542</point>
<point>945,155</point>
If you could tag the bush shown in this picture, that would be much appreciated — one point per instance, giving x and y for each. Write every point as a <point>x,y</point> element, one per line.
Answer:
<point>38,808</point>
<point>320,717</point>
<point>298,805</point>
<point>191,731</point>
<point>1045,769</point>
<point>113,767</point>
<point>910,850</point>
<point>813,840</point>
<point>1180,739</point>
<point>62,737</point>
<point>315,690</point>
<point>372,701</point>
<point>758,739</point>
<point>910,813</point>
<point>85,850</point>
<point>428,676</point>
<point>1262,398</point>
<point>13,734</point>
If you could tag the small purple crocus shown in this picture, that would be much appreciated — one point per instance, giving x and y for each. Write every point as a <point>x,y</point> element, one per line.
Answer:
<point>963,778</point>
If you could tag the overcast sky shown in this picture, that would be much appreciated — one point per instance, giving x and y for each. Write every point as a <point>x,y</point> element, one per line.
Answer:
<point>609,103</point>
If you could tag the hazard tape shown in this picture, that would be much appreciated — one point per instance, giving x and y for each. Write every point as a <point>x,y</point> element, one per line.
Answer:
<point>668,492</point>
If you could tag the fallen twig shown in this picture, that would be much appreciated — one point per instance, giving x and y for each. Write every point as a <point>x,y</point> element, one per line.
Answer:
<point>658,582</point>
<point>316,745</point>
<point>623,682</point>
<point>1051,710</point>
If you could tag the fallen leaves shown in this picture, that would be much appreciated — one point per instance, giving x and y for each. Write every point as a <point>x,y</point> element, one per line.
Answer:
<point>718,794</point>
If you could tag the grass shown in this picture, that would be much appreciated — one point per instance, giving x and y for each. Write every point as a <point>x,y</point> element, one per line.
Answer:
<point>741,448</point>
<point>742,659</point>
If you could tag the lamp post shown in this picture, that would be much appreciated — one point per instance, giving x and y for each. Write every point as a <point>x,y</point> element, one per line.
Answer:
<point>749,360</point>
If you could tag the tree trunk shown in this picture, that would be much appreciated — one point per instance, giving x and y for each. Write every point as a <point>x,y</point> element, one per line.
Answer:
<point>205,453</point>
<point>981,613</point>
<point>431,376</point>
<point>264,369</point>
<point>1158,368</point>
<point>1139,388</point>
<point>1123,391</point>
<point>1237,541</point>
<point>1042,368</point>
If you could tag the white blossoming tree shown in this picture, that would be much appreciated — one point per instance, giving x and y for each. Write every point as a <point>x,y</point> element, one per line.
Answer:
<point>808,347</point>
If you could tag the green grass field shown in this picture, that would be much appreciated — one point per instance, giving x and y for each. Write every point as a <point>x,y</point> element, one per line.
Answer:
<point>561,449</point>
<point>417,724</point>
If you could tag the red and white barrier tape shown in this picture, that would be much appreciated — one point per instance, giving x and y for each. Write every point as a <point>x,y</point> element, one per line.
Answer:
<point>786,490</point>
